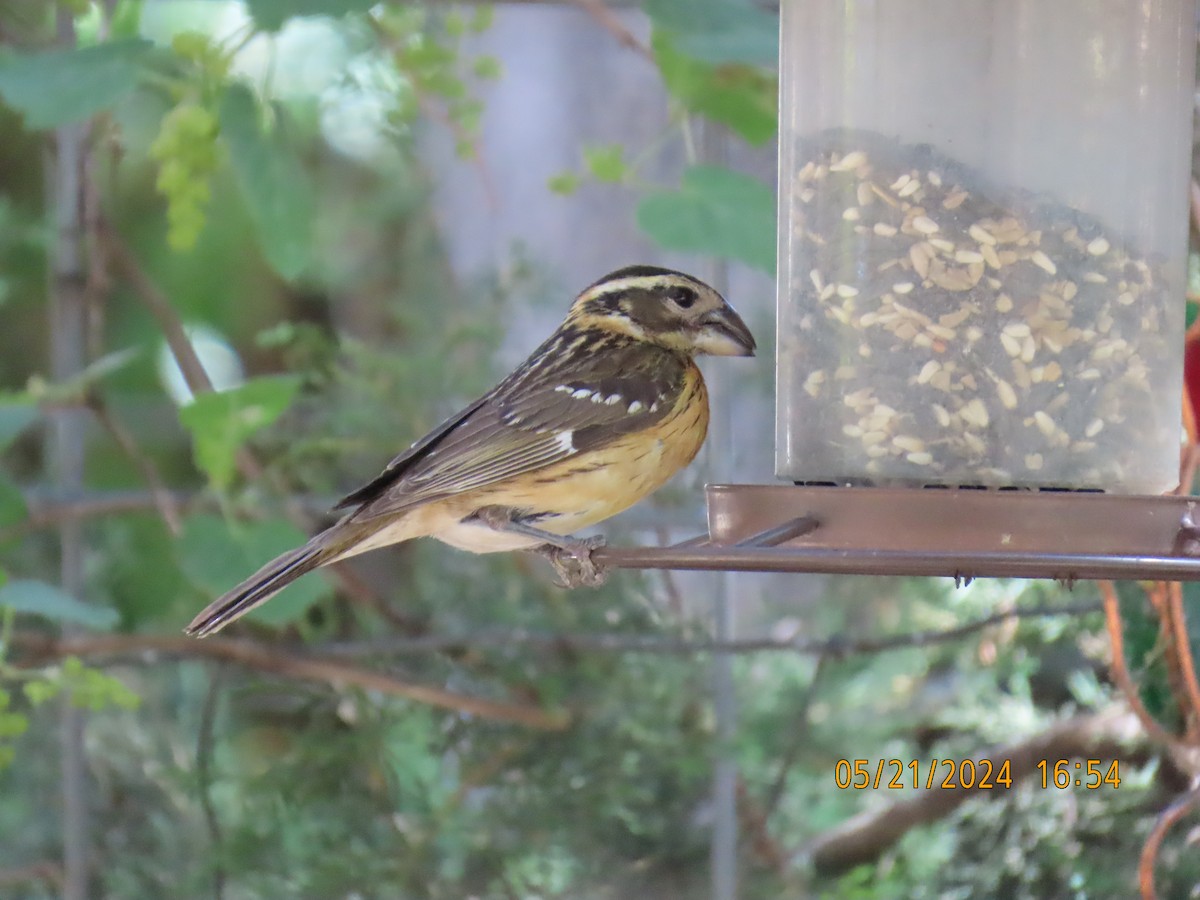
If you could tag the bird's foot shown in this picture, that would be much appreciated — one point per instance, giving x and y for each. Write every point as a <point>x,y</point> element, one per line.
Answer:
<point>573,562</point>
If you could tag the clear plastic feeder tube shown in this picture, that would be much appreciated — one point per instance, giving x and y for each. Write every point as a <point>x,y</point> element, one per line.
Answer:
<point>983,241</point>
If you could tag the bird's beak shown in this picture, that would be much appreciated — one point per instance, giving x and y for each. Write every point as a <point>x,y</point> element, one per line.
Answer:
<point>723,333</point>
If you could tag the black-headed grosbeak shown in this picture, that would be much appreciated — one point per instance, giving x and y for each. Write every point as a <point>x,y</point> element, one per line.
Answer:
<point>602,414</point>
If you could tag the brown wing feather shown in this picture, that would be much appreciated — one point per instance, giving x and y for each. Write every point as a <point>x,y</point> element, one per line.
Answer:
<point>519,427</point>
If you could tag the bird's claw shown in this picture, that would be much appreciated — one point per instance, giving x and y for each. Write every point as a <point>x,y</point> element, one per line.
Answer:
<point>574,564</point>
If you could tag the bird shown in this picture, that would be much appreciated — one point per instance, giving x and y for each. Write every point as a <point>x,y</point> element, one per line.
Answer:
<point>602,414</point>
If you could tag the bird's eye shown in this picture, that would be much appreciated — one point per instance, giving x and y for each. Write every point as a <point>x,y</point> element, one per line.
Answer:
<point>683,297</point>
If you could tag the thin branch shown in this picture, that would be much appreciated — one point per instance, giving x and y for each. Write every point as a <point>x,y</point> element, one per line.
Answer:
<point>866,836</point>
<point>1182,653</point>
<point>834,647</point>
<point>799,738</point>
<point>603,16</point>
<point>204,754</point>
<point>159,306</point>
<point>753,820</point>
<point>164,500</point>
<point>1172,814</point>
<point>1120,670</point>
<point>254,655</point>
<point>49,871</point>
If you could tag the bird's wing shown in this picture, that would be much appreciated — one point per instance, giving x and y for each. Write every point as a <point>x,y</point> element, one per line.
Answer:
<point>535,418</point>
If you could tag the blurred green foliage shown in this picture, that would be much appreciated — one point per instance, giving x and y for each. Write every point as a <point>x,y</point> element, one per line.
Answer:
<point>207,779</point>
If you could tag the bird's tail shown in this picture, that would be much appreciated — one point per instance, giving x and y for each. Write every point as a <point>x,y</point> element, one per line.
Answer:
<point>265,584</point>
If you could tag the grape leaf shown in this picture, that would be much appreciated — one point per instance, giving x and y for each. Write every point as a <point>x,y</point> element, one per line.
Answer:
<point>215,555</point>
<point>277,191</point>
<point>15,417</point>
<point>221,421</point>
<point>270,15</point>
<point>719,31</point>
<point>53,87</point>
<point>741,96</point>
<point>716,211</point>
<point>12,502</point>
<point>25,595</point>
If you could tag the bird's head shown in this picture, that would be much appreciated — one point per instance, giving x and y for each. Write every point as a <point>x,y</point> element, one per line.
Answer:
<point>664,307</point>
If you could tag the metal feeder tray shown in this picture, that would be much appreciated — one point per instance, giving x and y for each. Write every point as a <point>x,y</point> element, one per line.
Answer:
<point>961,533</point>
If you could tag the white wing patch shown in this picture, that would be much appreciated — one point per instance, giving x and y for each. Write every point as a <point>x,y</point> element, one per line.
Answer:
<point>635,406</point>
<point>564,440</point>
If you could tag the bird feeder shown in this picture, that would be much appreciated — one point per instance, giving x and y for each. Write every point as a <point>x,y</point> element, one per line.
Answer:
<point>983,242</point>
<point>983,220</point>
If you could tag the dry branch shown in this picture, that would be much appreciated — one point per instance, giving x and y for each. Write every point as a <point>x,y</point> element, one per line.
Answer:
<point>1172,814</point>
<point>1120,670</point>
<point>865,837</point>
<point>834,647</point>
<point>254,655</point>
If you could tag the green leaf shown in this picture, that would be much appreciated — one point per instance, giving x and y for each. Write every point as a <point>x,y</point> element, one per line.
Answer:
<point>215,555</point>
<point>12,504</point>
<point>270,15</point>
<point>277,192</point>
<point>565,183</point>
<point>743,97</point>
<point>606,163</point>
<point>58,86</point>
<point>15,417</point>
<point>220,422</point>
<point>126,18</point>
<point>487,68</point>
<point>716,211</point>
<point>719,31</point>
<point>41,599</point>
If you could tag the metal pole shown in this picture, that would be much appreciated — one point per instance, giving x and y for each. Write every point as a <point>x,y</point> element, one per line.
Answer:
<point>724,848</point>
<point>68,321</point>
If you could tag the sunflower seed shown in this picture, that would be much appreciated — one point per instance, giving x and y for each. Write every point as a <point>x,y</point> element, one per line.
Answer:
<point>928,371</point>
<point>1044,423</point>
<point>954,199</point>
<point>975,413</point>
<point>1042,261</point>
<point>851,160</point>
<point>908,442</point>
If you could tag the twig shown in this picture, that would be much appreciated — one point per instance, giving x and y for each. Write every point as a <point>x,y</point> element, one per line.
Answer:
<point>1182,653</point>
<point>835,647</point>
<point>867,835</point>
<point>1172,814</point>
<point>156,302</point>
<point>799,738</point>
<point>204,753</point>
<point>47,870</point>
<point>254,655</point>
<point>164,500</point>
<point>753,820</point>
<point>608,20</point>
<point>1120,671</point>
